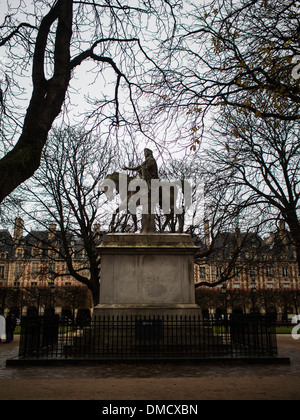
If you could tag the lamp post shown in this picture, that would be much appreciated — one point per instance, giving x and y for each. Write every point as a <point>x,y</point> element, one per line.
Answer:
<point>16,291</point>
<point>253,291</point>
<point>50,328</point>
<point>224,293</point>
<point>51,296</point>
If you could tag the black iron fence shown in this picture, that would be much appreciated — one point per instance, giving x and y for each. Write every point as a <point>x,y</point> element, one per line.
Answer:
<point>165,337</point>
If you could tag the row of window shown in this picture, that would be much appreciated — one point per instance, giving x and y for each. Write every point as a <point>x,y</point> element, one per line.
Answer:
<point>35,283</point>
<point>268,286</point>
<point>37,269</point>
<point>19,253</point>
<point>253,271</point>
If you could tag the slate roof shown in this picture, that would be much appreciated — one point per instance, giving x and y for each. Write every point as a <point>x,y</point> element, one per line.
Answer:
<point>33,239</point>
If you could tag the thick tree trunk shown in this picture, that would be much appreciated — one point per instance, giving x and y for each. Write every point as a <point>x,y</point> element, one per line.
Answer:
<point>96,294</point>
<point>46,101</point>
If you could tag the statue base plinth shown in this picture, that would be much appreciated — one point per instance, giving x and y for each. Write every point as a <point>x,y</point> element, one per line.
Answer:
<point>147,269</point>
<point>146,310</point>
<point>147,297</point>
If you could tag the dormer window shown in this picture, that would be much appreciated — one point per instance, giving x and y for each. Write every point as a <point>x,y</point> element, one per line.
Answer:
<point>36,251</point>
<point>19,253</point>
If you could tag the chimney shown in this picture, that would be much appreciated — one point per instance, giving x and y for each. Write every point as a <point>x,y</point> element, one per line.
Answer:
<point>206,233</point>
<point>282,232</point>
<point>18,230</point>
<point>52,231</point>
<point>238,236</point>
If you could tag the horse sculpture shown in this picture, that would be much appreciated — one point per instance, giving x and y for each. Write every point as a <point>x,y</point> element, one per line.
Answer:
<point>116,176</point>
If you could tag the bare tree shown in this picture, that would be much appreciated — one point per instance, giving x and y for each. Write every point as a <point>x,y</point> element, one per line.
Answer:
<point>228,51</point>
<point>229,234</point>
<point>115,40</point>
<point>260,158</point>
<point>186,195</point>
<point>64,192</point>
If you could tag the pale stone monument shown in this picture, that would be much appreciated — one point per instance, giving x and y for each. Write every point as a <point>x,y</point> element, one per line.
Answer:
<point>147,274</point>
<point>147,291</point>
<point>147,170</point>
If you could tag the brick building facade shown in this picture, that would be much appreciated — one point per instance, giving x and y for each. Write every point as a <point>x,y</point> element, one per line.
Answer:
<point>36,258</point>
<point>249,262</point>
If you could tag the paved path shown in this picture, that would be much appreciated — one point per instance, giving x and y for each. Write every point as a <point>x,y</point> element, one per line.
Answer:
<point>185,381</point>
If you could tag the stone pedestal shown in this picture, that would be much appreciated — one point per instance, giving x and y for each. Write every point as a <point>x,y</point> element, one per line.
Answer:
<point>147,274</point>
<point>147,296</point>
